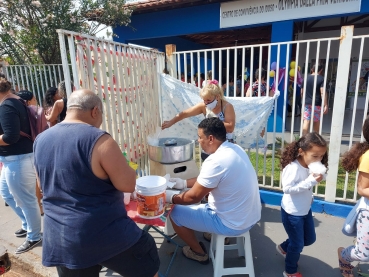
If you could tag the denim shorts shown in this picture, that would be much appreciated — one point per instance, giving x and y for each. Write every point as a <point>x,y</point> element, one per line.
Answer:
<point>203,219</point>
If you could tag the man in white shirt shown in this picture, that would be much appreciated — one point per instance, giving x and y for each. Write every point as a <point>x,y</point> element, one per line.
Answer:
<point>230,179</point>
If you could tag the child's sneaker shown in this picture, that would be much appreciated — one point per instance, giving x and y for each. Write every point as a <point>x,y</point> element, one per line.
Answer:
<point>297,274</point>
<point>280,250</point>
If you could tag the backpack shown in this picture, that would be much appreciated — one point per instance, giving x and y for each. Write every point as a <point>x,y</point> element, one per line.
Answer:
<point>37,121</point>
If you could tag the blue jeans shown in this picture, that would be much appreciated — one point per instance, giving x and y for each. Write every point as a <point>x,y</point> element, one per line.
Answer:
<point>18,189</point>
<point>301,232</point>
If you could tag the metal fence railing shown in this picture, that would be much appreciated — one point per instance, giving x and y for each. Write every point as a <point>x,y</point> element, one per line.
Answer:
<point>36,78</point>
<point>287,66</point>
<point>126,79</point>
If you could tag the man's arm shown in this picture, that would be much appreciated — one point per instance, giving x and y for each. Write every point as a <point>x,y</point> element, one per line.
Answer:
<point>363,184</point>
<point>108,162</point>
<point>10,123</point>
<point>192,196</point>
<point>325,105</point>
<point>57,108</point>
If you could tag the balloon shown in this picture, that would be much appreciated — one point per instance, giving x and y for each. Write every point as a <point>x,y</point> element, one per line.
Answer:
<point>293,64</point>
<point>272,73</point>
<point>292,72</point>
<point>273,66</point>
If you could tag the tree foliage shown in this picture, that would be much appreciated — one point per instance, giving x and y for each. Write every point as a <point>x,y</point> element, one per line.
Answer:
<point>28,28</point>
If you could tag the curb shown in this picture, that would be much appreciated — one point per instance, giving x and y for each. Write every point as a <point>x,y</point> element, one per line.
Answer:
<point>28,262</point>
<point>318,206</point>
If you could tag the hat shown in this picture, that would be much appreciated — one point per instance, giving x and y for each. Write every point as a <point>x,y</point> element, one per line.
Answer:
<point>25,95</point>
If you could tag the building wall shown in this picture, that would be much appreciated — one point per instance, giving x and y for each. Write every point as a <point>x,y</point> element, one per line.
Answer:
<point>334,46</point>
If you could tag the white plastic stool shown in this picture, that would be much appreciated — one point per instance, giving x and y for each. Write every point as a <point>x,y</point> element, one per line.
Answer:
<point>217,249</point>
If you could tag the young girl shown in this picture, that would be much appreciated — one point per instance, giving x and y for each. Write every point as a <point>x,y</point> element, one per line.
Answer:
<point>358,158</point>
<point>298,186</point>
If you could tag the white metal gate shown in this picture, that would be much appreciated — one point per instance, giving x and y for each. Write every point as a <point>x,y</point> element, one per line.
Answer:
<point>336,55</point>
<point>36,78</point>
<point>126,79</point>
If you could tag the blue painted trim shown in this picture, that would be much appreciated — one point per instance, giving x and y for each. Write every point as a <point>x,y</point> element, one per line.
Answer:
<point>281,31</point>
<point>175,22</point>
<point>318,206</point>
<point>192,20</point>
<point>159,43</point>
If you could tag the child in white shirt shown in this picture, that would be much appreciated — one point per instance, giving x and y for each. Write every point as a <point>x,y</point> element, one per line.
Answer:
<point>298,195</point>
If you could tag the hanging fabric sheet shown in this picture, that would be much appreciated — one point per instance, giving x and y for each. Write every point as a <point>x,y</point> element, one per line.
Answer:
<point>251,112</point>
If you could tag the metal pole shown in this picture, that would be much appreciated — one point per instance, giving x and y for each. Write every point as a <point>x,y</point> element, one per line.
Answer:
<point>343,69</point>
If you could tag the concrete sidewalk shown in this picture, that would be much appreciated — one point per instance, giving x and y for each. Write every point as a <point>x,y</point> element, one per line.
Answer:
<point>318,260</point>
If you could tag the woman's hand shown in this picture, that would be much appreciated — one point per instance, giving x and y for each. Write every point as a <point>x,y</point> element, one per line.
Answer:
<point>166,124</point>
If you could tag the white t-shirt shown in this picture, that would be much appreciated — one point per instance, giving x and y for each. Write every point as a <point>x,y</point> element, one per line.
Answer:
<point>235,197</point>
<point>297,187</point>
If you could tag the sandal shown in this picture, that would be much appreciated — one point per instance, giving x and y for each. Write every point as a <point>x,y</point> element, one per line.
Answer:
<point>346,269</point>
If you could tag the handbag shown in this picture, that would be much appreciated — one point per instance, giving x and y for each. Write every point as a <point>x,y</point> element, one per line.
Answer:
<point>5,263</point>
<point>349,226</point>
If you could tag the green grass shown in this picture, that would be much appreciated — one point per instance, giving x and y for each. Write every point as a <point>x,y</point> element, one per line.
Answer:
<point>277,173</point>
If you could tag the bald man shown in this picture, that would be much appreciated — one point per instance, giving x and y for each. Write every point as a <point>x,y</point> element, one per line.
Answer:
<point>83,175</point>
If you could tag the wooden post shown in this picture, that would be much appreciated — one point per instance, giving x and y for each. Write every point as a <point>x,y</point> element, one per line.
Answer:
<point>171,62</point>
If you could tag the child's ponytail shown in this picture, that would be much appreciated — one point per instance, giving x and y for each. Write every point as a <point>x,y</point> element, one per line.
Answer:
<point>305,143</point>
<point>351,158</point>
<point>290,153</point>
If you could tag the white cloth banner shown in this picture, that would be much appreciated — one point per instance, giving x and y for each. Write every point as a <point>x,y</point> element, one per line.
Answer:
<point>251,112</point>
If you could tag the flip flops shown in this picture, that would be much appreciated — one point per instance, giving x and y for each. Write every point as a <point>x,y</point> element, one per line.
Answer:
<point>346,269</point>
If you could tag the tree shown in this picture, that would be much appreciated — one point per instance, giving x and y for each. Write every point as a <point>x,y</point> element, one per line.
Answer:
<point>28,28</point>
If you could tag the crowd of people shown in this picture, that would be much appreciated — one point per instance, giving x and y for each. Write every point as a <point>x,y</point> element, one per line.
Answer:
<point>19,187</point>
<point>85,211</point>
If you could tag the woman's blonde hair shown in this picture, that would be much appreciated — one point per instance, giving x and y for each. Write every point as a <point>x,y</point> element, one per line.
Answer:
<point>212,89</point>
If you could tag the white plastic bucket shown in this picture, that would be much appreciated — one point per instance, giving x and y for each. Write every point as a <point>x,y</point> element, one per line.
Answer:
<point>150,192</point>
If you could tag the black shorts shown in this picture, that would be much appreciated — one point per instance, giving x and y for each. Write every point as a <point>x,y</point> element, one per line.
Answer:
<point>141,260</point>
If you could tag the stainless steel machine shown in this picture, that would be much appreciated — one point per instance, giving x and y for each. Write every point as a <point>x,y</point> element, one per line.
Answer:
<point>173,156</point>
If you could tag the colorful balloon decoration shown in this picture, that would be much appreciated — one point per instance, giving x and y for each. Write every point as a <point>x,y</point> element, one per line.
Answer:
<point>292,72</point>
<point>272,73</point>
<point>293,65</point>
<point>273,66</point>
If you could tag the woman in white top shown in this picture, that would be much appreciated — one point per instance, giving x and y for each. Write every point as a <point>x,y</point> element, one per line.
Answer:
<point>213,105</point>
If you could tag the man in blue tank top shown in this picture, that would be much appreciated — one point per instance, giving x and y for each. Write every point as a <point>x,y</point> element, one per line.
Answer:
<point>83,176</point>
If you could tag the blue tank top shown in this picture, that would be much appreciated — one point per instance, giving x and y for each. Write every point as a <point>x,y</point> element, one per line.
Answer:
<point>85,219</point>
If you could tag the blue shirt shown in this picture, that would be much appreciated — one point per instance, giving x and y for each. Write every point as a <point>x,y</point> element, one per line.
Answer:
<point>85,219</point>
